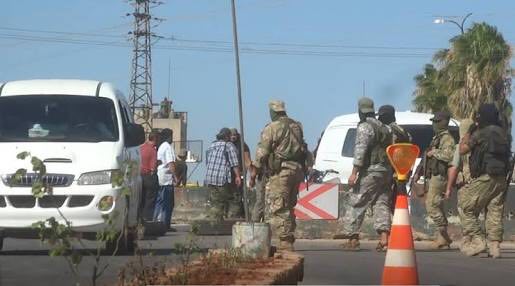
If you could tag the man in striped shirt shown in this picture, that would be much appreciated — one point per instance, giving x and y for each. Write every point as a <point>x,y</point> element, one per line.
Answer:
<point>222,164</point>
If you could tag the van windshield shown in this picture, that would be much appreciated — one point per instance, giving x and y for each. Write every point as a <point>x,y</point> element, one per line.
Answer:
<point>60,118</point>
<point>421,134</point>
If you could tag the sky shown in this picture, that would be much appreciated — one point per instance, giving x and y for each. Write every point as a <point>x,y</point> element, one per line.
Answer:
<point>315,55</point>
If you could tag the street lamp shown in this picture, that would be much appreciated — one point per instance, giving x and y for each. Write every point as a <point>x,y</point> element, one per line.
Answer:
<point>443,20</point>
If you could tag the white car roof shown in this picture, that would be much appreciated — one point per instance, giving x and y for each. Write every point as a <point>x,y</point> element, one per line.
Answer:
<point>402,117</point>
<point>58,86</point>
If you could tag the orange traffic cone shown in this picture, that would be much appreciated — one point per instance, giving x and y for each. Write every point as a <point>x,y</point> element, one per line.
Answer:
<point>400,267</point>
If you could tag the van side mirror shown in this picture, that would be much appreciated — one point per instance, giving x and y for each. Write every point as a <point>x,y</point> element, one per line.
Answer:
<point>134,135</point>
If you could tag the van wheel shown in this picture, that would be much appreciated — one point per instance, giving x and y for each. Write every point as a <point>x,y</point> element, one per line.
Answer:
<point>126,243</point>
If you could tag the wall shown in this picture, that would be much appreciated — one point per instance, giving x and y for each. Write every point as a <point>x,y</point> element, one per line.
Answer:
<point>191,205</point>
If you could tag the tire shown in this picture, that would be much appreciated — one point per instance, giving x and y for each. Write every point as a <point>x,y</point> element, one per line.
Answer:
<point>126,244</point>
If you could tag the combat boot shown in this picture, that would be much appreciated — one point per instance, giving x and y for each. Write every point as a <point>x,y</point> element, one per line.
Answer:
<point>465,243</point>
<point>352,243</point>
<point>494,249</point>
<point>285,245</point>
<point>442,240</point>
<point>382,245</point>
<point>476,246</point>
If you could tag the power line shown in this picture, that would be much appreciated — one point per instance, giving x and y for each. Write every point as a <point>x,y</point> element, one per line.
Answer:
<point>63,33</point>
<point>216,49</point>
<point>172,38</point>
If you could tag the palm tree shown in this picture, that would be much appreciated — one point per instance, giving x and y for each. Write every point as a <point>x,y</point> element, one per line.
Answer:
<point>428,94</point>
<point>476,70</point>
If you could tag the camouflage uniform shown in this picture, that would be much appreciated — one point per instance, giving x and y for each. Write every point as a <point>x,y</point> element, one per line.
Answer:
<point>280,147</point>
<point>487,189</point>
<point>461,163</point>
<point>443,154</point>
<point>258,211</point>
<point>372,188</point>
<point>225,202</point>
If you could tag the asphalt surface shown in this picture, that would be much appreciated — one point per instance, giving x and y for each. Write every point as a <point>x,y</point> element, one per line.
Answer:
<point>26,262</point>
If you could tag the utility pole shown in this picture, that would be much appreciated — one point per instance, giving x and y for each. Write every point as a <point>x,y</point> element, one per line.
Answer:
<point>238,83</point>
<point>140,98</point>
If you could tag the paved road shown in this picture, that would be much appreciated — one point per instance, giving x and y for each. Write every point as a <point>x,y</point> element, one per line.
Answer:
<point>25,262</point>
<point>326,263</point>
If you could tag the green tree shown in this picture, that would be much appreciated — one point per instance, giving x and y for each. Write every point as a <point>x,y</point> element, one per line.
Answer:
<point>428,94</point>
<point>474,70</point>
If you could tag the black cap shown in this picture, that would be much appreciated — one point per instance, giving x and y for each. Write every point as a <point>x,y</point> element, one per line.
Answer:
<point>386,109</point>
<point>441,115</point>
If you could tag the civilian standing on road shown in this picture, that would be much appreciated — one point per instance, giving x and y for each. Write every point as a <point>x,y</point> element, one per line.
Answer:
<point>458,175</point>
<point>283,150</point>
<point>222,162</point>
<point>238,191</point>
<point>438,156</point>
<point>489,149</point>
<point>181,169</point>
<point>149,179</point>
<point>166,176</point>
<point>369,179</point>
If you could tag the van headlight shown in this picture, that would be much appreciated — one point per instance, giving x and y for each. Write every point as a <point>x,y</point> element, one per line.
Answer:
<point>96,178</point>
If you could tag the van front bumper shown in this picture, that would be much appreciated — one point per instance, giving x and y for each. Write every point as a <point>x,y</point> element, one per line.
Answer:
<point>19,210</point>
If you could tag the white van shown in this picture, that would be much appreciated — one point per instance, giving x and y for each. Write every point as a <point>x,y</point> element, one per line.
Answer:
<point>336,148</point>
<point>83,131</point>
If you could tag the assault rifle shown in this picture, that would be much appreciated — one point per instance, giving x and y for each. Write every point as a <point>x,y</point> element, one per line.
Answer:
<point>421,170</point>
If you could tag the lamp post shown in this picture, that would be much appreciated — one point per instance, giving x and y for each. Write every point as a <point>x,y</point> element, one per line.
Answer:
<point>443,20</point>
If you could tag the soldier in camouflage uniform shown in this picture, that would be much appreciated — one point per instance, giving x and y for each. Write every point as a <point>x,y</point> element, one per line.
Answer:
<point>459,175</point>
<point>438,156</point>
<point>489,149</point>
<point>369,179</point>
<point>386,114</point>
<point>283,150</point>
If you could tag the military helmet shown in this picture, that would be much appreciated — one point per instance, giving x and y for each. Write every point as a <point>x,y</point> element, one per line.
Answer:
<point>366,105</point>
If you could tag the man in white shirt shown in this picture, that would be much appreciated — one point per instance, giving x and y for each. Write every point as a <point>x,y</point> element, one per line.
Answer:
<point>166,177</point>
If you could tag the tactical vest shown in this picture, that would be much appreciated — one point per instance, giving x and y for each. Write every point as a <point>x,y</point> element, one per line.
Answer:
<point>289,146</point>
<point>400,135</point>
<point>491,153</point>
<point>437,167</point>
<point>382,139</point>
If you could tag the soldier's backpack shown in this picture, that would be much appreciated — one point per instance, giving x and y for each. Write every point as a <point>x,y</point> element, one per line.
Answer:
<point>297,152</point>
